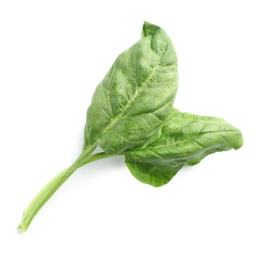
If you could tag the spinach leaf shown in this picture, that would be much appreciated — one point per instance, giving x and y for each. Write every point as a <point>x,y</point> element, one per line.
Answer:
<point>131,113</point>
<point>131,102</point>
<point>185,139</point>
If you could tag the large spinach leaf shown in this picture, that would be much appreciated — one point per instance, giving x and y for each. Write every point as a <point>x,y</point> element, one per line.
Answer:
<point>185,139</point>
<point>131,113</point>
<point>131,102</point>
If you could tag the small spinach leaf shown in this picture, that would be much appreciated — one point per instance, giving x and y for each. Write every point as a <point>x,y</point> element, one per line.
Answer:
<point>131,102</point>
<point>185,139</point>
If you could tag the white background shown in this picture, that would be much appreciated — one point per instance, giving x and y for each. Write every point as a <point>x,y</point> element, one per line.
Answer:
<point>52,56</point>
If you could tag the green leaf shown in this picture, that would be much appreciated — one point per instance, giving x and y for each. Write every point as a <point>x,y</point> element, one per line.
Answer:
<point>185,139</point>
<point>131,102</point>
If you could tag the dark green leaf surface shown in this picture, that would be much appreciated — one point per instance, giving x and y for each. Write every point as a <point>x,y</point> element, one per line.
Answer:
<point>185,139</point>
<point>136,95</point>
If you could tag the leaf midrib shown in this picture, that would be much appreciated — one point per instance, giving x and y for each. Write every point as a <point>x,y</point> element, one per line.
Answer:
<point>189,139</point>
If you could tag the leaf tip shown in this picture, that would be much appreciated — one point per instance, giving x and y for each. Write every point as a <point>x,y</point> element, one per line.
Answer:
<point>149,28</point>
<point>239,141</point>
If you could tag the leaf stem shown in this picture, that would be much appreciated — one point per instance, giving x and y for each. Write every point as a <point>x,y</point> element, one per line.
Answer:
<point>51,187</point>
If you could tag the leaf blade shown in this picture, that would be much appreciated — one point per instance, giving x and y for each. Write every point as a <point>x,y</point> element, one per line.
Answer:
<point>133,95</point>
<point>185,139</point>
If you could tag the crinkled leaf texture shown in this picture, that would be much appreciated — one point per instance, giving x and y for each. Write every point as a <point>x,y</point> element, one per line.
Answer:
<point>185,139</point>
<point>130,104</point>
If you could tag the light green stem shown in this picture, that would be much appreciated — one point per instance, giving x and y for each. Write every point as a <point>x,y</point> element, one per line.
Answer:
<point>43,196</point>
